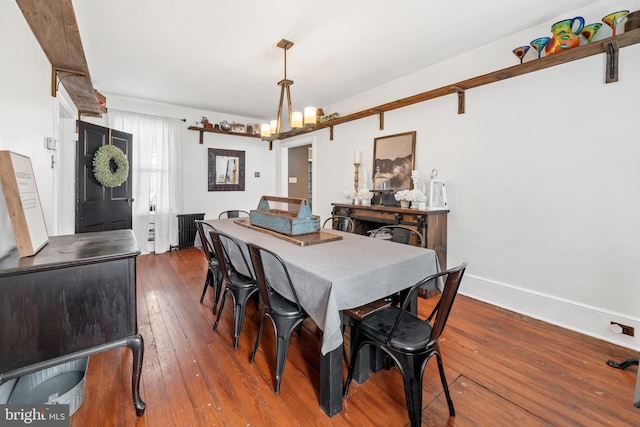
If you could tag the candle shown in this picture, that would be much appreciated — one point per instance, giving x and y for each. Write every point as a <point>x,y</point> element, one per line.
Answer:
<point>296,119</point>
<point>309,115</point>
<point>265,130</point>
<point>357,157</point>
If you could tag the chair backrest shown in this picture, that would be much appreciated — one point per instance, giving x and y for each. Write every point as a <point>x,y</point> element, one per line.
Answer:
<point>233,214</point>
<point>207,246</point>
<point>275,272</point>
<point>342,223</point>
<point>399,234</point>
<point>443,307</point>
<point>231,256</point>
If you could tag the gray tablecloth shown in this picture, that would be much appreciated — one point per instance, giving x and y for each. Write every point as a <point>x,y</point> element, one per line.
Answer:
<point>333,276</point>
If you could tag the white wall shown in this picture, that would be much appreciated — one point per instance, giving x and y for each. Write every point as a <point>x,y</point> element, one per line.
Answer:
<point>28,112</point>
<point>541,173</point>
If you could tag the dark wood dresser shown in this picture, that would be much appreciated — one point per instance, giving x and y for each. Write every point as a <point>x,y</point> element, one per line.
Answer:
<point>74,298</point>
<point>432,224</point>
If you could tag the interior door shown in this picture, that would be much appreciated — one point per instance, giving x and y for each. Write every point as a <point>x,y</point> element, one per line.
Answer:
<point>101,208</point>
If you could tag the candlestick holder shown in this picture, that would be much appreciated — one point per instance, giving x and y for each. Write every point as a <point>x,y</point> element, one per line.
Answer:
<point>355,180</point>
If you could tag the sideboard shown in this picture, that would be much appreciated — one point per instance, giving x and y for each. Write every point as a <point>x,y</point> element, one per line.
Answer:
<point>431,224</point>
<point>74,298</point>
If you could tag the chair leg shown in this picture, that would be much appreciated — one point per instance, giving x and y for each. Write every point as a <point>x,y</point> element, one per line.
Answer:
<point>218,288</point>
<point>206,285</point>
<point>412,368</point>
<point>283,330</point>
<point>445,386</point>
<point>240,297</point>
<point>224,297</point>
<point>259,337</point>
<point>355,347</point>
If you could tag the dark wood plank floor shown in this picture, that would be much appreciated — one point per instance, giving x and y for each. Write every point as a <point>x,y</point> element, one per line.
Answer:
<point>504,369</point>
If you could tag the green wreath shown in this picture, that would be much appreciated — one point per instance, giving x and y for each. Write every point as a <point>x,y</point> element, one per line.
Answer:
<point>102,166</point>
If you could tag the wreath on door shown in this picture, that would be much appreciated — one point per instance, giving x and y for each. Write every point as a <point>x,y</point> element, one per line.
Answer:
<point>102,169</point>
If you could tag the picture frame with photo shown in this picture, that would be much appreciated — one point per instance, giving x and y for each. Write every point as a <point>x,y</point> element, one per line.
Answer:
<point>225,170</point>
<point>393,161</point>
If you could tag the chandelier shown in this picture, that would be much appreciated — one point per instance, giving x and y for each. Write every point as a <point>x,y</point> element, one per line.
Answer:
<point>274,129</point>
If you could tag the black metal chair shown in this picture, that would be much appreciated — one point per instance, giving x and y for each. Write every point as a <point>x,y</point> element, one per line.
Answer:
<point>399,234</point>
<point>285,313</point>
<point>409,340</point>
<point>339,222</point>
<point>393,233</point>
<point>233,214</point>
<point>238,278</point>
<point>214,272</point>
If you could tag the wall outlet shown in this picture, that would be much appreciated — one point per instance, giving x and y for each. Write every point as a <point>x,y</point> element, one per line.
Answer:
<point>625,330</point>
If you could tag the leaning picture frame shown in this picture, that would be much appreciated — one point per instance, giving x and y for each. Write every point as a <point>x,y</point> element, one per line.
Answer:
<point>393,161</point>
<point>225,170</point>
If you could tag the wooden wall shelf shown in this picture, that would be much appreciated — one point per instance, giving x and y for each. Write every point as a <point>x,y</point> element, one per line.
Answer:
<point>610,46</point>
<point>223,132</point>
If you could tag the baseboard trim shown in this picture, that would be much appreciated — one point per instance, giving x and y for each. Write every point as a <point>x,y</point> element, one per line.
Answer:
<point>582,318</point>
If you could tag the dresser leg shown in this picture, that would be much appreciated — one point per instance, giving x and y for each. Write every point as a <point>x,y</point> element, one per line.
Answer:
<point>136,344</point>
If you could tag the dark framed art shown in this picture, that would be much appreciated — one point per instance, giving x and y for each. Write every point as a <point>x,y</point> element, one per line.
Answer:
<point>393,161</point>
<point>226,170</point>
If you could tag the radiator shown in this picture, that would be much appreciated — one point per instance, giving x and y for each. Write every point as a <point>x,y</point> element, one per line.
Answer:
<point>187,229</point>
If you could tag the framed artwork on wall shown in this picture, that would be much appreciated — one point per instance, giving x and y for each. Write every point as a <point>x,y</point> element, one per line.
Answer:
<point>225,170</point>
<point>393,161</point>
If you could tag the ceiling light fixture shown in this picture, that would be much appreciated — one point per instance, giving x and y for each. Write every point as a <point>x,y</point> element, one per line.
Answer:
<point>273,130</point>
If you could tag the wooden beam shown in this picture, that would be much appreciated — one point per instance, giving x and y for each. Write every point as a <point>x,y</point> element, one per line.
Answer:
<point>53,23</point>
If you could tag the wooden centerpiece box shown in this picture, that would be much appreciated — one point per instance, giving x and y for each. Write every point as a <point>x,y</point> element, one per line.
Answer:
<point>289,222</point>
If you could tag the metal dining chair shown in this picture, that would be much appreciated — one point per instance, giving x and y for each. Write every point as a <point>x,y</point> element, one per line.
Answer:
<point>238,278</point>
<point>233,214</point>
<point>339,222</point>
<point>285,312</point>
<point>394,233</point>
<point>409,340</point>
<point>399,234</point>
<point>214,272</point>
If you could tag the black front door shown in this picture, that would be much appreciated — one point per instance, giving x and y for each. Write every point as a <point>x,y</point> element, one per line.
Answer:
<point>100,208</point>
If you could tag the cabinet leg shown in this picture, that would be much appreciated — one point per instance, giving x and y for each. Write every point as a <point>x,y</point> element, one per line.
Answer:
<point>136,344</point>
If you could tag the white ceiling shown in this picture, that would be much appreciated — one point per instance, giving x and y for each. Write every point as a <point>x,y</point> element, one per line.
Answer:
<point>221,55</point>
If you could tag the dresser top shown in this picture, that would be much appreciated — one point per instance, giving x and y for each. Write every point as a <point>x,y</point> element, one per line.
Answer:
<point>72,250</point>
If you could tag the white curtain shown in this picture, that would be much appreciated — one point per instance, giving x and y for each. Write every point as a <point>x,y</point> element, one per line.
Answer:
<point>157,173</point>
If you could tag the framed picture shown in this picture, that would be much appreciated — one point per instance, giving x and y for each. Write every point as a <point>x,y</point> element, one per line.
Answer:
<point>393,161</point>
<point>226,170</point>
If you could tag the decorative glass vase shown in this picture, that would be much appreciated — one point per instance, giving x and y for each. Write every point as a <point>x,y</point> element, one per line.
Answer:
<point>566,35</point>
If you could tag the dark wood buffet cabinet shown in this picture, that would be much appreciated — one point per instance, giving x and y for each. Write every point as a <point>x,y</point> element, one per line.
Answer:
<point>432,224</point>
<point>74,298</point>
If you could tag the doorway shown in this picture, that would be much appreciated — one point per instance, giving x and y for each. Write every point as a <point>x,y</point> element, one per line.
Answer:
<point>100,208</point>
<point>300,172</point>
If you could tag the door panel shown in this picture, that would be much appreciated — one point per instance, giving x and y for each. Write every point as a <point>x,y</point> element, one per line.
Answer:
<point>100,208</point>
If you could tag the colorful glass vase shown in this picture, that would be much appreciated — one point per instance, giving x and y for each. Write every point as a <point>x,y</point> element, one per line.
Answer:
<point>613,19</point>
<point>564,36</point>
<point>589,31</point>
<point>539,44</point>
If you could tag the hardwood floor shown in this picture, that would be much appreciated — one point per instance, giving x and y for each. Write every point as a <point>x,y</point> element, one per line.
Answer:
<point>504,369</point>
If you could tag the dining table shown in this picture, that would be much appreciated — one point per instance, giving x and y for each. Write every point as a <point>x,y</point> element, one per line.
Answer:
<point>336,275</point>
